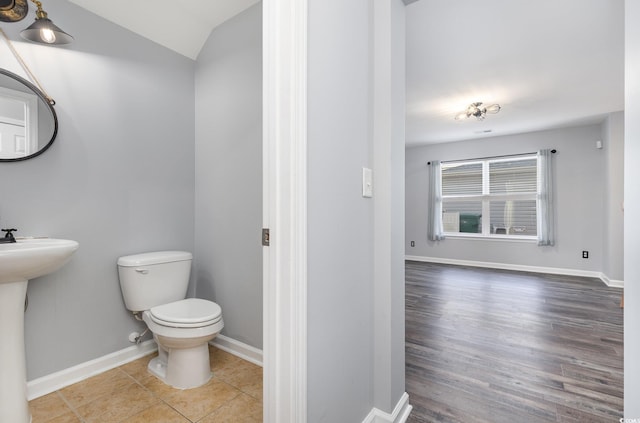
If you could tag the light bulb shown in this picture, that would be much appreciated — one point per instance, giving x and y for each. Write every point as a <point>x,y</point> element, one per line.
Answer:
<point>47,35</point>
<point>494,108</point>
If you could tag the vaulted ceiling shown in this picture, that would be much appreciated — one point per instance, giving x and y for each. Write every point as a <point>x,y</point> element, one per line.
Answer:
<point>548,63</point>
<point>182,26</point>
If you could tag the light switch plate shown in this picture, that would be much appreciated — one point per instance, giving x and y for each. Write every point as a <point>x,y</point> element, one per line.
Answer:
<point>367,182</point>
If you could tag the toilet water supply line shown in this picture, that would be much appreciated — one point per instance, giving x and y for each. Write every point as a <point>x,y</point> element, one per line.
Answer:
<point>135,336</point>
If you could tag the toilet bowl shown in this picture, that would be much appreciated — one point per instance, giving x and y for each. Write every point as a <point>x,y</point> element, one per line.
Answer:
<point>154,286</point>
<point>182,330</point>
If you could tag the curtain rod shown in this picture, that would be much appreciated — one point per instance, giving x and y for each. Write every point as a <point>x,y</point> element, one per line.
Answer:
<point>493,157</point>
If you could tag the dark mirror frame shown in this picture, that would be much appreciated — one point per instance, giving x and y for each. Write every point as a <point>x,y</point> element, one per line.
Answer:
<point>48,104</point>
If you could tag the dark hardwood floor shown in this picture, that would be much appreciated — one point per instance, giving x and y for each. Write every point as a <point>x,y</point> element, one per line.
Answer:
<point>493,346</point>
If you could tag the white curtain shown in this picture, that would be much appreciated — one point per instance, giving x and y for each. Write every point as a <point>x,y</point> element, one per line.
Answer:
<point>435,230</point>
<point>546,226</point>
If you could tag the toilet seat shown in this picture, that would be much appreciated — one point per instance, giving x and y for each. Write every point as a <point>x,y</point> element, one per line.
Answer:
<point>187,313</point>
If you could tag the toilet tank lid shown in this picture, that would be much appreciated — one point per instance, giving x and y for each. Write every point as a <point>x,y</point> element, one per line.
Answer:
<point>156,257</point>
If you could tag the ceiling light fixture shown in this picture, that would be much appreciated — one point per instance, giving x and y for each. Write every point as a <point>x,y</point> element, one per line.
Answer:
<point>478,111</point>
<point>43,30</point>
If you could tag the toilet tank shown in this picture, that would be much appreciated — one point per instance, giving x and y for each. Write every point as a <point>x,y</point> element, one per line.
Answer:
<point>152,279</point>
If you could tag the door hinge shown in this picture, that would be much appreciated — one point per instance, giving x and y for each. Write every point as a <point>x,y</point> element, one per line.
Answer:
<point>265,237</point>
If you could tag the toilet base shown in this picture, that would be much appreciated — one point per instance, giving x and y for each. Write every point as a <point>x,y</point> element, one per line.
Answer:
<point>182,368</point>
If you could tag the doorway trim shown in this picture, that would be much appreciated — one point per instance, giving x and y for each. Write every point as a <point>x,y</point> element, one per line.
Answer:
<point>285,210</point>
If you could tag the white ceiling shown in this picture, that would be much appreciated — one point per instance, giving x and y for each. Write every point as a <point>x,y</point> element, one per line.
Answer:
<point>548,63</point>
<point>181,26</point>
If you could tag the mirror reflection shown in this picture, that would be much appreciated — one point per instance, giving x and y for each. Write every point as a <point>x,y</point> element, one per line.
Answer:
<point>28,123</point>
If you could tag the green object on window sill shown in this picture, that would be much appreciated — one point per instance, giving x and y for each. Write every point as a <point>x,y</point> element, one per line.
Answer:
<point>470,222</point>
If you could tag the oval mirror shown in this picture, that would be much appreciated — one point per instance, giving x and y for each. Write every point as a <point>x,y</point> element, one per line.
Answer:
<point>28,123</point>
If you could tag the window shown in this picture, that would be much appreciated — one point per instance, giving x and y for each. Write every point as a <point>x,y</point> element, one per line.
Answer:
<point>494,197</point>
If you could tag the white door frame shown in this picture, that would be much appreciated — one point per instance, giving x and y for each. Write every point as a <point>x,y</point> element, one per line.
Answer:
<point>285,210</point>
<point>30,122</point>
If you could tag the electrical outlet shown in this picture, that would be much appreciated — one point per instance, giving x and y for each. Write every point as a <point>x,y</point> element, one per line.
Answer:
<point>413,243</point>
<point>585,254</point>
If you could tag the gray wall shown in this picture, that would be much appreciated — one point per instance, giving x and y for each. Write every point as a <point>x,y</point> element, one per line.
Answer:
<point>340,220</point>
<point>229,174</point>
<point>581,175</point>
<point>388,159</point>
<point>632,211</point>
<point>613,145</point>
<point>119,179</point>
<point>355,316</point>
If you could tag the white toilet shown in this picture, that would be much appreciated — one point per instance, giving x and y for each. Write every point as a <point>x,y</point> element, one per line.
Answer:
<point>154,285</point>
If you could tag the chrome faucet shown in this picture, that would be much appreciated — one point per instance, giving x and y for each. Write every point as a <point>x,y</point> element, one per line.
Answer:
<point>8,236</point>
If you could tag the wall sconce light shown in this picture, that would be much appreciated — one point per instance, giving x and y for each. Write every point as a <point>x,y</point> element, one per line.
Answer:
<point>43,30</point>
<point>13,10</point>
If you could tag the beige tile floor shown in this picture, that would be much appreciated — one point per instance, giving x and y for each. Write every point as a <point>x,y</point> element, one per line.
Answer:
<point>130,394</point>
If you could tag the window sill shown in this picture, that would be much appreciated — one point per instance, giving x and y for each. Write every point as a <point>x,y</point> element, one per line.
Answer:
<point>492,237</point>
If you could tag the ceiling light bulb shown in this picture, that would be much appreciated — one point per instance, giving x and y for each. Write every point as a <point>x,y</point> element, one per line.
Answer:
<point>494,108</point>
<point>462,115</point>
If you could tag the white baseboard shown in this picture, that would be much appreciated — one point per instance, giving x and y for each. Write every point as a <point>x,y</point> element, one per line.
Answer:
<point>611,282</point>
<point>400,413</point>
<point>50,383</point>
<point>239,349</point>
<point>58,380</point>
<point>521,268</point>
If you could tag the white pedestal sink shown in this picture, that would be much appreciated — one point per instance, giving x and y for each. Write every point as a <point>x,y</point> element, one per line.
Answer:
<point>19,262</point>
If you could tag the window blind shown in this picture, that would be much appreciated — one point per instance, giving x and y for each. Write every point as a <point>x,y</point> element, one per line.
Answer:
<point>491,197</point>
